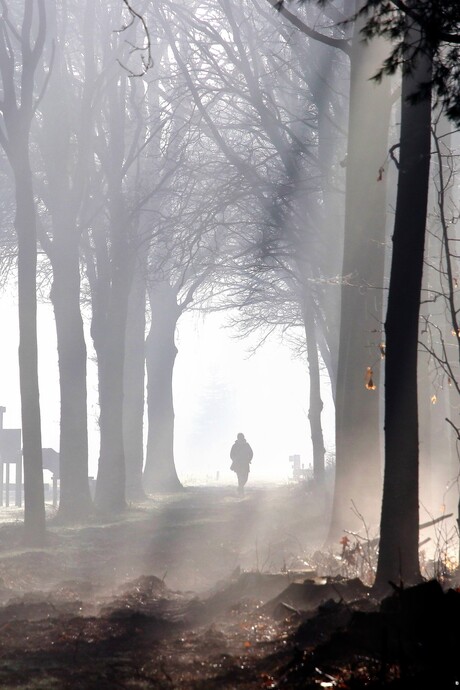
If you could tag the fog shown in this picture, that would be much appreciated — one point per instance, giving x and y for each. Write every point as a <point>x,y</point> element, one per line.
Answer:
<point>230,344</point>
<point>196,222</point>
<point>221,386</point>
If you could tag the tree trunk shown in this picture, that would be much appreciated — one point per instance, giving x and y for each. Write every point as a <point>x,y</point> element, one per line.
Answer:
<point>134,383</point>
<point>398,554</point>
<point>358,457</point>
<point>75,499</point>
<point>25,224</point>
<point>64,149</point>
<point>18,70</point>
<point>115,256</point>
<point>427,473</point>
<point>160,471</point>
<point>316,404</point>
<point>110,349</point>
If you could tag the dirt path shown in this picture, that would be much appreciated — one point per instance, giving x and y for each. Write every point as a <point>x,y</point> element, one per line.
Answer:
<point>204,535</point>
<point>190,540</point>
<point>156,599</point>
<point>204,591</point>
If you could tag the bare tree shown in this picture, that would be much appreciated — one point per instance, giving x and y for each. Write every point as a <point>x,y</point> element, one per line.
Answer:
<point>110,274</point>
<point>22,41</point>
<point>272,127</point>
<point>362,276</point>
<point>64,144</point>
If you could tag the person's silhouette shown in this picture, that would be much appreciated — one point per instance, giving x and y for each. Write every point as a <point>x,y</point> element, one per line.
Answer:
<point>241,455</point>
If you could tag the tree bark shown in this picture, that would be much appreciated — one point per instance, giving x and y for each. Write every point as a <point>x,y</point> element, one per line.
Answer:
<point>17,109</point>
<point>398,554</point>
<point>134,384</point>
<point>25,224</point>
<point>75,500</point>
<point>65,153</point>
<point>160,471</point>
<point>115,261</point>
<point>316,403</point>
<point>110,486</point>
<point>358,456</point>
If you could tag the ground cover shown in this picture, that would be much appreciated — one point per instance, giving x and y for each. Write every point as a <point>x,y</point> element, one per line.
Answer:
<point>203,590</point>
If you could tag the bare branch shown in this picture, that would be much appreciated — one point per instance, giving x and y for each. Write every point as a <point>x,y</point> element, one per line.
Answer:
<point>340,43</point>
<point>146,50</point>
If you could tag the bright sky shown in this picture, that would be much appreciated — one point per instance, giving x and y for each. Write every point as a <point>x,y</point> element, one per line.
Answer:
<point>219,390</point>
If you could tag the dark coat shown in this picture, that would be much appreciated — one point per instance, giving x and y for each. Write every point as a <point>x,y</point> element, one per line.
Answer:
<point>241,455</point>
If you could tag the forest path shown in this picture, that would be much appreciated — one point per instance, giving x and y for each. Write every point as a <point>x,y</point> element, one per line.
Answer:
<point>202,590</point>
<point>190,540</point>
<point>157,598</point>
<point>204,535</point>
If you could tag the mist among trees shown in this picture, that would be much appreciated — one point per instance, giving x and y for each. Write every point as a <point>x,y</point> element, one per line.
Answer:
<point>290,168</point>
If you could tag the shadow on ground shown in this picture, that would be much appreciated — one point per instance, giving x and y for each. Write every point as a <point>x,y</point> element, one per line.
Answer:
<point>203,590</point>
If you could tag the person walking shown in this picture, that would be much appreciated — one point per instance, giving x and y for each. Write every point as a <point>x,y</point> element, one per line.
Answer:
<point>241,455</point>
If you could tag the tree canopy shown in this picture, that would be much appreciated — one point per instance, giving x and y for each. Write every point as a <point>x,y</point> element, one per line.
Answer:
<point>439,23</point>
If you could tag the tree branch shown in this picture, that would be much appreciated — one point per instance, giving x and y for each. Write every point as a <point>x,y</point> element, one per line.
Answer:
<point>340,43</point>
<point>147,62</point>
<point>420,19</point>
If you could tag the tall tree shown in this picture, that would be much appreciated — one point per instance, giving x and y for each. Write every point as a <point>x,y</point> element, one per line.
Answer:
<point>185,212</point>
<point>115,255</point>
<point>357,408</point>
<point>64,144</point>
<point>419,30</point>
<point>358,435</point>
<point>119,135</point>
<point>398,553</point>
<point>19,67</point>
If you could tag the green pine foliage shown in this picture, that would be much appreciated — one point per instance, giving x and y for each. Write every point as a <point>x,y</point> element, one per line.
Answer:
<point>439,21</point>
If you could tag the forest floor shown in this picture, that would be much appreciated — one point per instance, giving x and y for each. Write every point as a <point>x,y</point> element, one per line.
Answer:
<point>204,590</point>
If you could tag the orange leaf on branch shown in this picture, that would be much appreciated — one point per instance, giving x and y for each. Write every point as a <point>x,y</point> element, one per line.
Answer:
<point>369,378</point>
